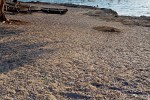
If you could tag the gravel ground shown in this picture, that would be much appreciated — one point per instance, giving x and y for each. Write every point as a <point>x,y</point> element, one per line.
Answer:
<point>63,57</point>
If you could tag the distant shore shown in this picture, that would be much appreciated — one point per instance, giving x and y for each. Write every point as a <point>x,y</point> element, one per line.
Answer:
<point>106,14</point>
<point>76,5</point>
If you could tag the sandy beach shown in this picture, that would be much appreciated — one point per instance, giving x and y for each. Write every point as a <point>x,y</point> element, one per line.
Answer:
<point>85,54</point>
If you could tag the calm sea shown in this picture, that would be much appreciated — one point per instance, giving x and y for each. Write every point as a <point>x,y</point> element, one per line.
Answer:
<point>123,7</point>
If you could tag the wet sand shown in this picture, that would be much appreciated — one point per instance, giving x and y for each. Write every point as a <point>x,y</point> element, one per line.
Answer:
<point>86,54</point>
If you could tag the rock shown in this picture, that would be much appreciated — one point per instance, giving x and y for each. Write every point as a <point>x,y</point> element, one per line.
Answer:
<point>11,91</point>
<point>9,98</point>
<point>103,12</point>
<point>51,97</point>
<point>110,11</point>
<point>20,91</point>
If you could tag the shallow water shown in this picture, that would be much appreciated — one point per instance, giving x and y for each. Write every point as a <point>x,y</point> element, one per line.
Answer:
<point>123,7</point>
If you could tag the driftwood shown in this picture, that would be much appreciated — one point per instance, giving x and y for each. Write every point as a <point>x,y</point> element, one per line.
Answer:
<point>22,8</point>
<point>54,10</point>
<point>2,15</point>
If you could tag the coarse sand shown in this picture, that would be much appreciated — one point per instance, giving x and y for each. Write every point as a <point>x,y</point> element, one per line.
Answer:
<point>64,57</point>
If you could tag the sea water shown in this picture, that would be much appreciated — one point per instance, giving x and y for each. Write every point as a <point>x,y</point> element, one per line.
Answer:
<point>123,7</point>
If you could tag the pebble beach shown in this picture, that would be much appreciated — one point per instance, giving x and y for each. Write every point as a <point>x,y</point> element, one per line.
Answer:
<point>85,54</point>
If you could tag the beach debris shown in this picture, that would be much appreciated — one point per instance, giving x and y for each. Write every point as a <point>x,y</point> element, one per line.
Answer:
<point>106,29</point>
<point>26,8</point>
<point>54,10</point>
<point>16,7</point>
<point>17,22</point>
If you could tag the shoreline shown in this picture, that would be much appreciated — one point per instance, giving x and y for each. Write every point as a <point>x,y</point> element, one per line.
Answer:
<point>84,6</point>
<point>106,14</point>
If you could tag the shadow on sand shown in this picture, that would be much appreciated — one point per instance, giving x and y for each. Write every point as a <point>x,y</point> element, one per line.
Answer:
<point>16,53</point>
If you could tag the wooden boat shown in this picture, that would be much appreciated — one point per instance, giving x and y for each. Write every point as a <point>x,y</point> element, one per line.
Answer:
<point>54,10</point>
<point>24,8</point>
<point>17,7</point>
